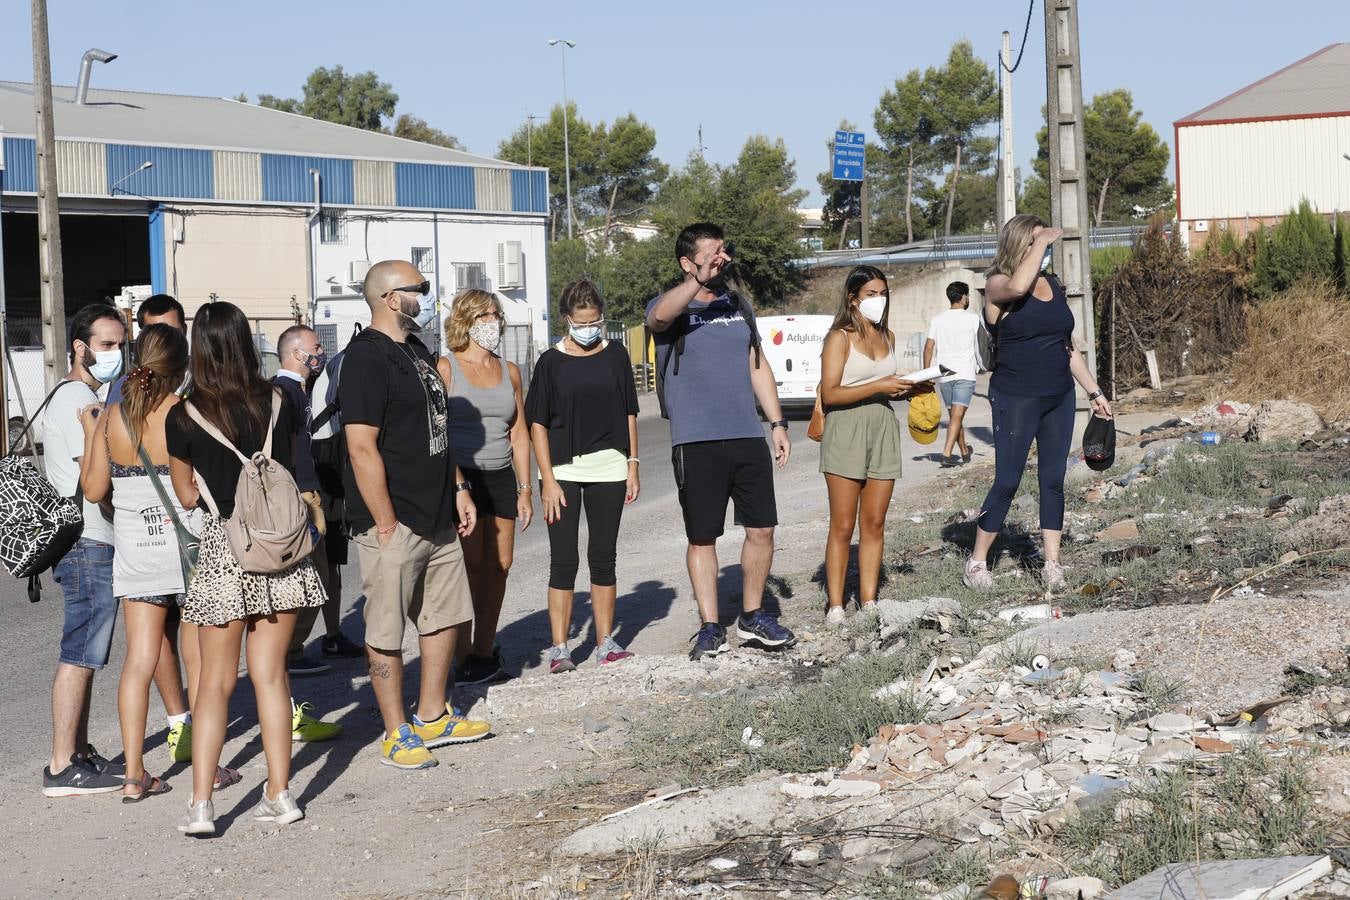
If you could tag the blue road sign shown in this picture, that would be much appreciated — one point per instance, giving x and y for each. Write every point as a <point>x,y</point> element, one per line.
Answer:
<point>848,155</point>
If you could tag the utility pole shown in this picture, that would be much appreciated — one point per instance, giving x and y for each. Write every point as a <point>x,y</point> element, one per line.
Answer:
<point>563,44</point>
<point>865,219</point>
<point>1007,184</point>
<point>4,319</point>
<point>1068,166</point>
<point>51,282</point>
<point>529,140</point>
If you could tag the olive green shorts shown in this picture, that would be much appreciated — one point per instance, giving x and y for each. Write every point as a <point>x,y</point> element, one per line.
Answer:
<point>861,441</point>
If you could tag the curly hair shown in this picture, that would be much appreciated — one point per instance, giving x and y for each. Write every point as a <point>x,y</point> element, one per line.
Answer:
<point>464,312</point>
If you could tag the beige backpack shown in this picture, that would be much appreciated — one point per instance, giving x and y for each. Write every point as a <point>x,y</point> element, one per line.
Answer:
<point>269,531</point>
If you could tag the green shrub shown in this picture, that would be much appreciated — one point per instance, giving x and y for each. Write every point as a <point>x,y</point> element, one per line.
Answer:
<point>1300,246</point>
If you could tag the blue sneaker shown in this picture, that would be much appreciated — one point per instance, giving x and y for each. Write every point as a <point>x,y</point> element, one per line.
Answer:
<point>764,630</point>
<point>710,641</point>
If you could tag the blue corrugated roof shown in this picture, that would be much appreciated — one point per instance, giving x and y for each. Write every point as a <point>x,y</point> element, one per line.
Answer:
<point>177,172</point>
<point>529,191</point>
<point>286,178</point>
<point>20,164</point>
<point>433,187</point>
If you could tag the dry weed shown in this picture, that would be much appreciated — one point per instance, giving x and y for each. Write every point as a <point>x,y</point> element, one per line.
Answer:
<point>1297,346</point>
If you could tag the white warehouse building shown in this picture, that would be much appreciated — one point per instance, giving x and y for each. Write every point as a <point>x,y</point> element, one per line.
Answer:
<point>213,199</point>
<point>1246,160</point>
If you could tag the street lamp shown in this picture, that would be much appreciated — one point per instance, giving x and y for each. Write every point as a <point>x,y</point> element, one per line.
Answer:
<point>136,171</point>
<point>562,45</point>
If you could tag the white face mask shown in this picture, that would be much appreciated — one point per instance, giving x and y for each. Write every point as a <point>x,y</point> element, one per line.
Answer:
<point>1045,260</point>
<point>873,308</point>
<point>585,335</point>
<point>486,335</point>
<point>107,365</point>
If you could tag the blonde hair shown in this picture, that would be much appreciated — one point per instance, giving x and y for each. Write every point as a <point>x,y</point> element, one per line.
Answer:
<point>1013,242</point>
<point>464,312</point>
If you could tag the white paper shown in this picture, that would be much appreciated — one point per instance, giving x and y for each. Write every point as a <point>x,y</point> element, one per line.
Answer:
<point>927,374</point>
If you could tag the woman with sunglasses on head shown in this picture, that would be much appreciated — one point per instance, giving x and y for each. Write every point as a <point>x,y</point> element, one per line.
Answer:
<point>1031,391</point>
<point>582,410</point>
<point>225,602</point>
<point>860,449</point>
<point>492,447</point>
<point>148,576</point>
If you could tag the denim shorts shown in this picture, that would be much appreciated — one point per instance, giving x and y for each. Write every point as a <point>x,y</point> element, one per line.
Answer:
<point>85,577</point>
<point>957,393</point>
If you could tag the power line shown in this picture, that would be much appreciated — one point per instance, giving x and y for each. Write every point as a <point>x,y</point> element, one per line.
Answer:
<point>1026,30</point>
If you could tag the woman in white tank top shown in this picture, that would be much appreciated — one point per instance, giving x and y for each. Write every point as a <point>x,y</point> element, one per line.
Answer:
<point>860,449</point>
<point>147,573</point>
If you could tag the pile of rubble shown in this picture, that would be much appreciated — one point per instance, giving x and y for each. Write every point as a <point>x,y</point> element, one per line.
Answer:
<point>1012,750</point>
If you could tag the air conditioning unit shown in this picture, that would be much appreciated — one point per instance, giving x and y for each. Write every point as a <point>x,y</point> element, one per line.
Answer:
<point>356,271</point>
<point>510,266</point>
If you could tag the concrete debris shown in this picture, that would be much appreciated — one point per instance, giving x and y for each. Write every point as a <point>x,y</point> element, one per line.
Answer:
<point>1325,529</point>
<point>940,613</point>
<point>1082,888</point>
<point>1234,879</point>
<point>1283,420</point>
<point>1124,530</point>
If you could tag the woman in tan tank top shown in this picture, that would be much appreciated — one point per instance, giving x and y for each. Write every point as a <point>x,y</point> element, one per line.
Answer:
<point>860,449</point>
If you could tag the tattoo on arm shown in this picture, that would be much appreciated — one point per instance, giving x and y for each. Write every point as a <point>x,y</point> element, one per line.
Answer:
<point>380,669</point>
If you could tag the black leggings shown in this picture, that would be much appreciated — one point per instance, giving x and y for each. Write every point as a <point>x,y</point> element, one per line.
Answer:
<point>1017,421</point>
<point>604,508</point>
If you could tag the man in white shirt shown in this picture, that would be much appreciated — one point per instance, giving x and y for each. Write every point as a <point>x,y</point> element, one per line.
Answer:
<point>952,342</point>
<point>85,573</point>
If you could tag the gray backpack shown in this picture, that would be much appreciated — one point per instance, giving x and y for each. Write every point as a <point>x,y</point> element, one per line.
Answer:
<point>269,531</point>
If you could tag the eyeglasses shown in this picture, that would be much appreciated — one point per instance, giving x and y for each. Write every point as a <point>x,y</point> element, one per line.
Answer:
<point>423,288</point>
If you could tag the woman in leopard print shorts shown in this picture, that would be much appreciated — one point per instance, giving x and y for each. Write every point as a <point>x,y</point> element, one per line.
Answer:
<point>224,601</point>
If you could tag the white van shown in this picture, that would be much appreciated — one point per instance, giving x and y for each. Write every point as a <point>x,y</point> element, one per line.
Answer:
<point>792,345</point>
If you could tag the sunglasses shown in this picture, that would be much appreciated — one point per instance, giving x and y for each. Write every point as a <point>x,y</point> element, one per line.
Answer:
<point>423,288</point>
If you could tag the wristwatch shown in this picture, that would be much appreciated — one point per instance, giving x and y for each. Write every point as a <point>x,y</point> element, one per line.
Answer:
<point>781,423</point>
<point>462,486</point>
<point>1094,395</point>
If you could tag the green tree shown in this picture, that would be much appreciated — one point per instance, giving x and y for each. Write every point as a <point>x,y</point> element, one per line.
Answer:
<point>959,100</point>
<point>905,131</point>
<point>625,171</point>
<point>1300,246</point>
<point>361,100</point>
<point>415,129</point>
<point>543,145</point>
<point>759,208</point>
<point>974,209</point>
<point>1126,162</point>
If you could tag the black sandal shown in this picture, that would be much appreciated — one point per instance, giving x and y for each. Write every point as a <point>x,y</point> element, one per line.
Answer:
<point>150,786</point>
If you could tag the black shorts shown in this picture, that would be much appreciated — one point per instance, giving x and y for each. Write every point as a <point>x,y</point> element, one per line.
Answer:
<point>709,473</point>
<point>494,491</point>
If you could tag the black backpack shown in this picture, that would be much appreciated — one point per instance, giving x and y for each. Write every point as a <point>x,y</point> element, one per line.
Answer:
<point>679,330</point>
<point>1099,443</point>
<point>37,525</point>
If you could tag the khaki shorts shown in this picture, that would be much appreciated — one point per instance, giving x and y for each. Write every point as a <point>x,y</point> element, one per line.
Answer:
<point>412,578</point>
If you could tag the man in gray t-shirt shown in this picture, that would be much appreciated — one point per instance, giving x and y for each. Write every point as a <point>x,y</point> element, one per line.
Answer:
<point>712,374</point>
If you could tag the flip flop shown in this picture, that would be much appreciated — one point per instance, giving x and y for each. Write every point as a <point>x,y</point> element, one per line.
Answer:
<point>150,787</point>
<point>226,777</point>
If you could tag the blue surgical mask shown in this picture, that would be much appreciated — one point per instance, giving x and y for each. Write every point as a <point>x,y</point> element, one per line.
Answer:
<point>107,365</point>
<point>426,312</point>
<point>585,335</point>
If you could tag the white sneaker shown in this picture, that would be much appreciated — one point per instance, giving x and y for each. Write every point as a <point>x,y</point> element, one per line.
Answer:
<point>1052,575</point>
<point>835,616</point>
<point>282,809</point>
<point>977,575</point>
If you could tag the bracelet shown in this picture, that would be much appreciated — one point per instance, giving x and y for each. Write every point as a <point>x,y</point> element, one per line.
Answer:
<point>390,530</point>
<point>463,486</point>
<point>1094,395</point>
<point>523,488</point>
<point>781,423</point>
<point>634,459</point>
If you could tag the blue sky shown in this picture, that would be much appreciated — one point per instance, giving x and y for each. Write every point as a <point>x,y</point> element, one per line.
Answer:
<point>791,69</point>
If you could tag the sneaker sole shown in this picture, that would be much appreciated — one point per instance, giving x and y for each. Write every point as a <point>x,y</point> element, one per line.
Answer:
<point>446,741</point>
<point>974,586</point>
<point>722,648</point>
<point>294,815</point>
<point>750,636</point>
<point>206,830</point>
<point>429,764</point>
<point>498,675</point>
<point>77,792</point>
<point>558,670</point>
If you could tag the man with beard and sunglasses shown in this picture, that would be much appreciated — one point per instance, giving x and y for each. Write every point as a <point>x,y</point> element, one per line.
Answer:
<point>712,374</point>
<point>403,493</point>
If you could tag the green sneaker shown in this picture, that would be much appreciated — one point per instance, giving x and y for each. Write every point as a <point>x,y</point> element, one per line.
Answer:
<point>180,742</point>
<point>305,727</point>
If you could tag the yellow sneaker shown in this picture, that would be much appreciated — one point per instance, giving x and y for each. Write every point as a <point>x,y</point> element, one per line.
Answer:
<point>180,742</point>
<point>404,750</point>
<point>305,727</point>
<point>451,728</point>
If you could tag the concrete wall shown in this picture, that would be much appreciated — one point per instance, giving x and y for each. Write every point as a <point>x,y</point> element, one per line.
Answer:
<point>916,301</point>
<point>455,238</point>
<point>253,257</point>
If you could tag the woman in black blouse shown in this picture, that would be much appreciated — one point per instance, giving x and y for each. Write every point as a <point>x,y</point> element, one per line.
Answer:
<point>582,411</point>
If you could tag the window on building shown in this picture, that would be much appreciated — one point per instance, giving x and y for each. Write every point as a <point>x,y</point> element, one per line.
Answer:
<point>470,276</point>
<point>332,227</point>
<point>422,259</point>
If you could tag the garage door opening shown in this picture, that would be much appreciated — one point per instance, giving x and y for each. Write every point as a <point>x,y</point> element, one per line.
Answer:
<point>101,254</point>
